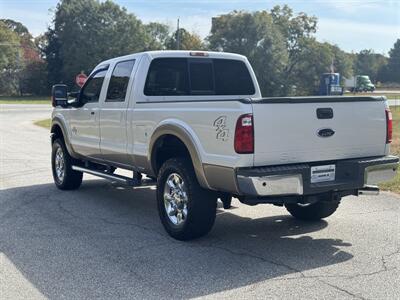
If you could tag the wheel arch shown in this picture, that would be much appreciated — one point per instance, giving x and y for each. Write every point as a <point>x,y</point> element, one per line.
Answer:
<point>58,130</point>
<point>182,138</point>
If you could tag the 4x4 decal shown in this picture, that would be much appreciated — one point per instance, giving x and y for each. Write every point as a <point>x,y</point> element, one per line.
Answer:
<point>220,127</point>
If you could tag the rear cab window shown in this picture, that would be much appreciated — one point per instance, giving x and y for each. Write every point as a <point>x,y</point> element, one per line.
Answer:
<point>198,76</point>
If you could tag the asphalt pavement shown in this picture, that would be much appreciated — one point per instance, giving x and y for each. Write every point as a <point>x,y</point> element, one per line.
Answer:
<point>105,241</point>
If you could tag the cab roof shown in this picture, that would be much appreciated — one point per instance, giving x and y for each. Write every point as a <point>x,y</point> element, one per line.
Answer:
<point>178,53</point>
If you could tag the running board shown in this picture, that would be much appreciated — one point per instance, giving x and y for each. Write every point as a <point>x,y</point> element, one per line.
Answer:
<point>112,177</point>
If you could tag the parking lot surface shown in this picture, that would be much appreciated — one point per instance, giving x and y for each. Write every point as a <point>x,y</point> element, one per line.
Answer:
<point>105,241</point>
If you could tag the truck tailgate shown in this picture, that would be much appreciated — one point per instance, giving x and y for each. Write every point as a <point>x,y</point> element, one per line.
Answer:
<point>288,130</point>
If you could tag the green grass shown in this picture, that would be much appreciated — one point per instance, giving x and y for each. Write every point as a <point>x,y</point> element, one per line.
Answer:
<point>44,123</point>
<point>24,100</point>
<point>394,185</point>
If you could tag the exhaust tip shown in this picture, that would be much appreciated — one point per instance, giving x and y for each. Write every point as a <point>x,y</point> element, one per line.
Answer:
<point>369,190</point>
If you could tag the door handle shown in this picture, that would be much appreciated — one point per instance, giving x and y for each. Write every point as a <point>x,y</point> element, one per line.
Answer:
<point>92,112</point>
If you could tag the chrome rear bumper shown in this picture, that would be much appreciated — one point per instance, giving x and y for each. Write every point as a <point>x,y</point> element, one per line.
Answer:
<point>295,179</point>
<point>271,185</point>
<point>379,173</point>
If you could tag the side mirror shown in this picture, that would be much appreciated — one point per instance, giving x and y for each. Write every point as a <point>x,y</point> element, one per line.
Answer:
<point>59,94</point>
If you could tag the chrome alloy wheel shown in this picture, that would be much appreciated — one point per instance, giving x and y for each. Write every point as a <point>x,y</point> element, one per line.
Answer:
<point>59,164</point>
<point>175,199</point>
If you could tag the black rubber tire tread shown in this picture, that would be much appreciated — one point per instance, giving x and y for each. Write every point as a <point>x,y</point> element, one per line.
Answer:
<point>312,212</point>
<point>202,204</point>
<point>72,179</point>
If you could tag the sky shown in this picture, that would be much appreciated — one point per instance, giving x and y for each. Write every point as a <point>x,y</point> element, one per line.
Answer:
<point>353,25</point>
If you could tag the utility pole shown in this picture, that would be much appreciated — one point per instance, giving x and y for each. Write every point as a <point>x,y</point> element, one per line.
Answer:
<point>178,36</point>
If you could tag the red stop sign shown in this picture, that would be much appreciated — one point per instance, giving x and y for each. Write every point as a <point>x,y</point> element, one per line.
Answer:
<point>80,79</point>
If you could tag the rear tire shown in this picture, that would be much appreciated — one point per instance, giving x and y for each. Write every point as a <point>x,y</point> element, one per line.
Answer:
<point>61,162</point>
<point>312,212</point>
<point>187,211</point>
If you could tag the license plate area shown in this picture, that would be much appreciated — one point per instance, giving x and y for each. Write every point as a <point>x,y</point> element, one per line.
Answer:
<point>323,173</point>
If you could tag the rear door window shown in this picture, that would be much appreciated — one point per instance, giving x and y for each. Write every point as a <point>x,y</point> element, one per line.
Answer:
<point>198,76</point>
<point>119,81</point>
<point>167,77</point>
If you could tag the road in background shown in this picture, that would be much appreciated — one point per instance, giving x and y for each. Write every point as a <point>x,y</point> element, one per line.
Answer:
<point>105,241</point>
<point>378,91</point>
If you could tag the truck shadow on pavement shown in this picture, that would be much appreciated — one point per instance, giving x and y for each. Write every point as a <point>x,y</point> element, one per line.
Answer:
<point>106,241</point>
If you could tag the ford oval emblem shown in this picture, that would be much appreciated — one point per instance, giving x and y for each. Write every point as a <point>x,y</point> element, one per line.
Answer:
<point>325,132</point>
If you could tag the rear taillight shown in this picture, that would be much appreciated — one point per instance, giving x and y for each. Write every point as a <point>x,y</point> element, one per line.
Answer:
<point>244,135</point>
<point>389,126</point>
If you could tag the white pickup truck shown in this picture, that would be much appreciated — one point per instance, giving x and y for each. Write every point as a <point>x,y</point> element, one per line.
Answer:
<point>196,122</point>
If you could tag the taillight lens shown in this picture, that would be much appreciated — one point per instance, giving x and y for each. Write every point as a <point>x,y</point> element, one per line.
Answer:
<point>389,126</point>
<point>244,135</point>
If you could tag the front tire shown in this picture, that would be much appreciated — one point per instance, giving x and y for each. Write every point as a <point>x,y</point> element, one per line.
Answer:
<point>187,211</point>
<point>61,162</point>
<point>314,211</point>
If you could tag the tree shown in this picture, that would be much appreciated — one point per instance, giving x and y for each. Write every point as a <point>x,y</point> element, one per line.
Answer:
<point>255,36</point>
<point>315,59</point>
<point>158,35</point>
<point>33,79</point>
<point>17,27</point>
<point>391,72</point>
<point>297,32</point>
<point>51,47</point>
<point>295,29</point>
<point>187,41</point>
<point>10,56</point>
<point>342,61</point>
<point>28,75</point>
<point>274,42</point>
<point>29,50</point>
<point>86,32</point>
<point>369,63</point>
